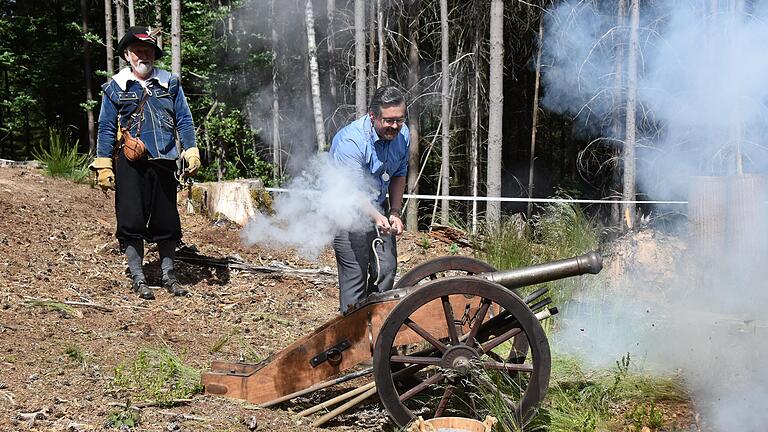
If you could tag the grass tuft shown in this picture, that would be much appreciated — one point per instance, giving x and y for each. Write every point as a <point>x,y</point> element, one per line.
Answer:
<point>158,375</point>
<point>61,158</point>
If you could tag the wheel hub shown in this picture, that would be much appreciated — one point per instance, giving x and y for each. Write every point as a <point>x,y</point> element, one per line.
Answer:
<point>458,358</point>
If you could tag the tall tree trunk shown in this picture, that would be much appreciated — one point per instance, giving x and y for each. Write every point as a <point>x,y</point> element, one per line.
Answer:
<point>159,22</point>
<point>412,215</point>
<point>535,122</point>
<point>331,44</point>
<point>108,37</point>
<point>277,152</point>
<point>628,209</point>
<point>474,127</point>
<point>382,78</point>
<point>176,36</point>
<point>445,114</point>
<point>120,26</point>
<point>314,76</point>
<point>88,80</point>
<point>131,14</point>
<point>495,111</point>
<point>372,48</point>
<point>616,123</point>
<point>361,104</point>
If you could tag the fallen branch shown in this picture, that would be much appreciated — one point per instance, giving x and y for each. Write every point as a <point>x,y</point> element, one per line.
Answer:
<point>68,303</point>
<point>192,256</point>
<point>148,404</point>
<point>30,418</point>
<point>184,416</point>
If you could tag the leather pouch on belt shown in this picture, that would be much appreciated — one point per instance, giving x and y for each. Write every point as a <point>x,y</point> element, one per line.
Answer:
<point>133,147</point>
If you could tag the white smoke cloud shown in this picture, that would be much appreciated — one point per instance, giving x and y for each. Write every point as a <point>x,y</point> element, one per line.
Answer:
<point>702,95</point>
<point>323,200</point>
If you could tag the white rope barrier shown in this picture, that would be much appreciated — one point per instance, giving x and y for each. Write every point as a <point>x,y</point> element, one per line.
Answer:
<point>507,199</point>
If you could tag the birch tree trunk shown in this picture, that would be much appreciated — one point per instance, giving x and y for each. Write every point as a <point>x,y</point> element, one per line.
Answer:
<point>412,212</point>
<point>382,78</point>
<point>277,152</point>
<point>628,209</point>
<point>88,80</point>
<point>108,32</point>
<point>445,114</point>
<point>535,122</point>
<point>159,22</point>
<point>361,105</point>
<point>314,76</point>
<point>331,44</point>
<point>131,14</point>
<point>372,49</point>
<point>176,36</point>
<point>120,26</point>
<point>495,111</point>
<point>474,127</point>
<point>616,121</point>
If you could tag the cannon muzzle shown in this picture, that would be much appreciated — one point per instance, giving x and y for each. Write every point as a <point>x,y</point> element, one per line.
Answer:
<point>590,262</point>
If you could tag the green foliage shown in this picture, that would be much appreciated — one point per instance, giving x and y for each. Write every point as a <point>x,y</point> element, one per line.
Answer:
<point>62,308</point>
<point>229,143</point>
<point>583,401</point>
<point>645,415</point>
<point>453,249</point>
<point>124,418</point>
<point>75,353</point>
<point>560,231</point>
<point>425,242</point>
<point>565,230</point>
<point>158,375</point>
<point>61,158</point>
<point>507,245</point>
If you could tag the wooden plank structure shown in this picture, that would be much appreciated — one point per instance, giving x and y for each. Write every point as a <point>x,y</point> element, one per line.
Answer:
<point>359,329</point>
<point>444,319</point>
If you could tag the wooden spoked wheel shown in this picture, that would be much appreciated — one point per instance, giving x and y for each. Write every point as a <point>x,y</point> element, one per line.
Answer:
<point>454,348</point>
<point>443,267</point>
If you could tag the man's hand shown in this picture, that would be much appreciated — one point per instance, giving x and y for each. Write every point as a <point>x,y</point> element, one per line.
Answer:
<point>105,176</point>
<point>382,224</point>
<point>192,158</point>
<point>396,223</point>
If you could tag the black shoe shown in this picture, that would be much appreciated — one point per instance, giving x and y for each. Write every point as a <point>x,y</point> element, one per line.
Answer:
<point>174,287</point>
<point>143,290</point>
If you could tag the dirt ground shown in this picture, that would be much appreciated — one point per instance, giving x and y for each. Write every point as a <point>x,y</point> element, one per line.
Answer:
<point>57,242</point>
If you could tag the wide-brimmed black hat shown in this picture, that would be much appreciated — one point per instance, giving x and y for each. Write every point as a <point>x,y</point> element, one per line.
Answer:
<point>139,34</point>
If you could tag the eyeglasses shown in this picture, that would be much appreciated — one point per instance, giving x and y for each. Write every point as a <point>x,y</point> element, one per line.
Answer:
<point>389,122</point>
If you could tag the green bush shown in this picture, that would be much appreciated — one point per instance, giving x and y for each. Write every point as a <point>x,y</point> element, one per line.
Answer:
<point>565,231</point>
<point>158,375</point>
<point>60,158</point>
<point>228,142</point>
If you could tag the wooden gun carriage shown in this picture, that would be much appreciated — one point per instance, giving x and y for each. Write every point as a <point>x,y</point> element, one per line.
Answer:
<point>450,328</point>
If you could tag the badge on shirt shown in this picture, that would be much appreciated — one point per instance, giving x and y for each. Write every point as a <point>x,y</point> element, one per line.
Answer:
<point>385,176</point>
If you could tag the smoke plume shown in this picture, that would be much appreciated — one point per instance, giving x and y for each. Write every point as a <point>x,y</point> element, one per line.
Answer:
<point>695,308</point>
<point>322,200</point>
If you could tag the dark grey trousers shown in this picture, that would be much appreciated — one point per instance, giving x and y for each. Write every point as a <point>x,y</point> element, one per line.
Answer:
<point>357,266</point>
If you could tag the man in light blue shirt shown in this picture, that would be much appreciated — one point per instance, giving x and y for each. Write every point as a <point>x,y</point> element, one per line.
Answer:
<point>375,149</point>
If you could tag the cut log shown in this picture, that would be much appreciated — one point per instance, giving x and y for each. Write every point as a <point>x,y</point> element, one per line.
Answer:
<point>236,200</point>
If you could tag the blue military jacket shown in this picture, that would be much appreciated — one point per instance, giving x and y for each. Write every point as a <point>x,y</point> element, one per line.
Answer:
<point>165,113</point>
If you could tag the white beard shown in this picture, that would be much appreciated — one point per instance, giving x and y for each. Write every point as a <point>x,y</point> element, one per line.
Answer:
<point>142,68</point>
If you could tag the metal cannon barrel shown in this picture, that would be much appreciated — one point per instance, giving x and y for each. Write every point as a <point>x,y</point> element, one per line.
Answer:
<point>590,262</point>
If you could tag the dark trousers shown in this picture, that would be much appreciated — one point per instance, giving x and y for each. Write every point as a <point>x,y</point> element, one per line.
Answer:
<point>357,265</point>
<point>145,200</point>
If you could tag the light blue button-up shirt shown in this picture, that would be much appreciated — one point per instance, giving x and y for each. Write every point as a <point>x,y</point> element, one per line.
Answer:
<point>358,148</point>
